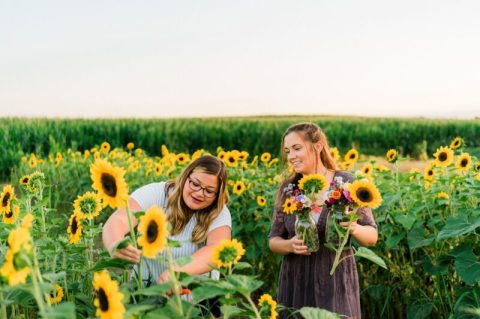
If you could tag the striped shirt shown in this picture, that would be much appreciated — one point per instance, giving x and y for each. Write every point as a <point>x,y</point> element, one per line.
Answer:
<point>154,194</point>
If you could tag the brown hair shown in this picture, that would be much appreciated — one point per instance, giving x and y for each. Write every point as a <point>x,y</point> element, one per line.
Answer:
<point>179,213</point>
<point>312,134</point>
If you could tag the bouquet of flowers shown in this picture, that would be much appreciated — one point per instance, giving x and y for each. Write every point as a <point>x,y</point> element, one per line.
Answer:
<point>302,202</point>
<point>344,200</point>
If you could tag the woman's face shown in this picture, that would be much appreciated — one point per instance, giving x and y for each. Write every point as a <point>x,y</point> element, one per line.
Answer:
<point>299,154</point>
<point>200,190</point>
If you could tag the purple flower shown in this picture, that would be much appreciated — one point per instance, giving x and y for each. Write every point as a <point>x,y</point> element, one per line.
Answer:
<point>347,196</point>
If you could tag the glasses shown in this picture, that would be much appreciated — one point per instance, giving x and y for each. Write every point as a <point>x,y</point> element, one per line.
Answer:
<point>196,186</point>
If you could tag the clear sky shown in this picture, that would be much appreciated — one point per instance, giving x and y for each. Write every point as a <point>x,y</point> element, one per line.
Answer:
<point>215,58</point>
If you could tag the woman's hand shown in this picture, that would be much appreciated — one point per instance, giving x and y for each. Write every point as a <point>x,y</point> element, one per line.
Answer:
<point>353,226</point>
<point>129,253</point>
<point>163,277</point>
<point>297,246</point>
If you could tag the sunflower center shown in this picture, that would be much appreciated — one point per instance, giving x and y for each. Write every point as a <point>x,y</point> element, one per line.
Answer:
<point>430,172</point>
<point>464,162</point>
<point>103,300</point>
<point>228,254</point>
<point>442,156</point>
<point>109,185</point>
<point>152,232</point>
<point>231,160</point>
<point>352,156</point>
<point>364,195</point>
<point>5,199</point>
<point>9,214</point>
<point>74,226</point>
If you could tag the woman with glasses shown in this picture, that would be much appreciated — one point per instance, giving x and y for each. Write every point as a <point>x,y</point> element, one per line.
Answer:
<point>195,204</point>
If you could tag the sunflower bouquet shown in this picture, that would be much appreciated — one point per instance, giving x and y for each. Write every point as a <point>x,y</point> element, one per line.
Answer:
<point>344,201</point>
<point>303,201</point>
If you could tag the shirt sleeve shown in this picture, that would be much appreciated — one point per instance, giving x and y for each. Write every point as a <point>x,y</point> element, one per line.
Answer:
<point>366,217</point>
<point>223,219</point>
<point>278,228</point>
<point>149,195</point>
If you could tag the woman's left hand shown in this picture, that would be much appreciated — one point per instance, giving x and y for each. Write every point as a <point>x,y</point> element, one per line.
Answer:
<point>353,226</point>
<point>164,277</point>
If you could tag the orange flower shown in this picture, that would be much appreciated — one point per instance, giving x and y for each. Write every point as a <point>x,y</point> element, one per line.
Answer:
<point>336,194</point>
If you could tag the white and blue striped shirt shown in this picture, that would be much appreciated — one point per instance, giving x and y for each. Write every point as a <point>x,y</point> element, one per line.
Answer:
<point>154,194</point>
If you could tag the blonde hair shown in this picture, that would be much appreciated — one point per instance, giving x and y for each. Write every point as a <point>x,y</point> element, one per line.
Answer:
<point>312,134</point>
<point>179,213</point>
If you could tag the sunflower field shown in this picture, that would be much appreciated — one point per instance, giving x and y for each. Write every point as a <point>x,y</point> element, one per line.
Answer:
<point>53,265</point>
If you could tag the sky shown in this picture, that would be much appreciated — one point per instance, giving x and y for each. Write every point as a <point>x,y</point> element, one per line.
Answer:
<point>146,59</point>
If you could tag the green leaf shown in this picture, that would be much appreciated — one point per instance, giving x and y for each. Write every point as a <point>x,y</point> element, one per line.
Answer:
<point>173,243</point>
<point>317,313</point>
<point>457,226</point>
<point>136,310</point>
<point>468,304</point>
<point>155,290</point>
<point>416,239</point>
<point>437,266</point>
<point>244,284</point>
<point>393,240</point>
<point>370,255</point>
<point>111,263</point>
<point>183,260</point>
<point>419,311</point>
<point>121,244</point>
<point>230,311</point>
<point>467,265</point>
<point>64,310</point>
<point>406,221</point>
<point>242,265</point>
<point>206,292</point>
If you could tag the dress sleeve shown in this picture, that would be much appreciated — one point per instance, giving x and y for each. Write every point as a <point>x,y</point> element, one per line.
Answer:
<point>149,195</point>
<point>366,217</point>
<point>223,219</point>
<point>278,228</point>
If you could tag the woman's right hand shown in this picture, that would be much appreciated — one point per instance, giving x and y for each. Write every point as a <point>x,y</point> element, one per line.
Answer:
<point>129,253</point>
<point>297,246</point>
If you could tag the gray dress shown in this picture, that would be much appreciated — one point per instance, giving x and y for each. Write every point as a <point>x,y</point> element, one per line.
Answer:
<point>306,281</point>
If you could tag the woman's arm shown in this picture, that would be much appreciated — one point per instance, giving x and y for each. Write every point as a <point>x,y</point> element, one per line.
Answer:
<point>202,258</point>
<point>283,246</point>
<point>115,229</point>
<point>365,235</point>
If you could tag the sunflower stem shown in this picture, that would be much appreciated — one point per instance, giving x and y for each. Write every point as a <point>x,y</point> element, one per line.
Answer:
<point>3,311</point>
<point>254,308</point>
<point>134,238</point>
<point>173,279</point>
<point>338,252</point>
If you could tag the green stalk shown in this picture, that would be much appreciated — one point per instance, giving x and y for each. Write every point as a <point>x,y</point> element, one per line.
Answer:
<point>339,250</point>
<point>3,311</point>
<point>134,238</point>
<point>254,308</point>
<point>173,279</point>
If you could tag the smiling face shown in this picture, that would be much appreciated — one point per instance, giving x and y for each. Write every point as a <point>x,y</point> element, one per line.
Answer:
<point>299,153</point>
<point>197,185</point>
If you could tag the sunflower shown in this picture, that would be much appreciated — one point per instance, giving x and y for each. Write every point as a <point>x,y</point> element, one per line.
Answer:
<point>74,228</point>
<point>351,156</point>
<point>27,221</point>
<point>227,253</point>
<point>463,162</point>
<point>197,154</point>
<point>265,157</point>
<point>381,168</point>
<point>24,180</point>
<point>272,162</point>
<point>456,143</point>
<point>105,147</point>
<point>346,165</point>
<point>11,216</point>
<point>87,205</point>
<point>442,195</point>
<point>6,198</point>
<point>56,295</point>
<point>154,232</point>
<point>261,201</point>
<point>221,155</point>
<point>239,187</point>
<point>289,207</point>
<point>19,239</point>
<point>182,158</point>
<point>312,183</point>
<point>108,297</point>
<point>158,169</point>
<point>392,156</point>
<point>429,172</point>
<point>367,169</point>
<point>231,159</point>
<point>335,153</point>
<point>476,167</point>
<point>32,162</point>
<point>365,194</point>
<point>109,182</point>
<point>243,156</point>
<point>16,272</point>
<point>443,156</point>
<point>36,182</point>
<point>130,146</point>
<point>268,305</point>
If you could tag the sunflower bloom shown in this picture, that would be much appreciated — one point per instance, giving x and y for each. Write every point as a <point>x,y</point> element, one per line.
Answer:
<point>88,205</point>
<point>261,201</point>
<point>442,195</point>
<point>239,187</point>
<point>312,183</point>
<point>267,304</point>
<point>288,206</point>
<point>367,169</point>
<point>351,156</point>
<point>227,253</point>
<point>456,143</point>
<point>365,194</point>
<point>463,162</point>
<point>108,299</point>
<point>392,156</point>
<point>335,153</point>
<point>443,156</point>
<point>154,232</point>
<point>109,182</point>
<point>429,172</point>
<point>15,274</point>
<point>74,228</point>
<point>8,194</point>
<point>265,157</point>
<point>105,147</point>
<point>11,216</point>
<point>36,182</point>
<point>130,146</point>
<point>231,159</point>
<point>56,295</point>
